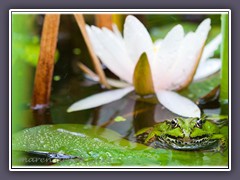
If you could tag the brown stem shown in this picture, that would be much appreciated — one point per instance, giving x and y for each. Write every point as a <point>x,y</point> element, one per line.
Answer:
<point>87,71</point>
<point>97,65</point>
<point>96,114</point>
<point>104,20</point>
<point>44,71</point>
<point>42,116</point>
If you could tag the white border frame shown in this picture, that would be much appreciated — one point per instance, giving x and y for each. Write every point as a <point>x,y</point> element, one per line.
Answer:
<point>117,11</point>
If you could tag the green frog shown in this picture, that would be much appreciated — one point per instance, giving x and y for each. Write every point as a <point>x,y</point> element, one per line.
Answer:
<point>184,134</point>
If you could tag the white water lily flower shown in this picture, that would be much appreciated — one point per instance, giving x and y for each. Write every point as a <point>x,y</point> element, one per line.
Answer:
<point>173,61</point>
<point>206,65</point>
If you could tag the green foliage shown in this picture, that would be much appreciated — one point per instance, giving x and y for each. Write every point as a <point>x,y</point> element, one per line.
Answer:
<point>96,146</point>
<point>25,43</point>
<point>25,40</point>
<point>24,51</point>
<point>22,73</point>
<point>224,57</point>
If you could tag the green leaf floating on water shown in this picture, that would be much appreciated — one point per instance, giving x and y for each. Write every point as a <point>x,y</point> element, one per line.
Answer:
<point>96,146</point>
<point>119,119</point>
<point>200,88</point>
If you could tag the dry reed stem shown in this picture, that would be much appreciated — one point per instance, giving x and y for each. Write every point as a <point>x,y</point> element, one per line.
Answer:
<point>87,71</point>
<point>97,65</point>
<point>44,71</point>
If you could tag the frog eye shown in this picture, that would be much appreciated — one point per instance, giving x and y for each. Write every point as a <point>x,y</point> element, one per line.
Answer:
<point>174,122</point>
<point>199,123</point>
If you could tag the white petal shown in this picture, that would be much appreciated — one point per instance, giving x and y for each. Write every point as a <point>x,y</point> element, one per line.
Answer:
<point>184,64</point>
<point>181,74</point>
<point>94,41</point>
<point>166,57</point>
<point>170,44</point>
<point>178,104</point>
<point>176,74</point>
<point>117,83</point>
<point>99,99</point>
<point>117,32</point>
<point>158,44</point>
<point>207,68</point>
<point>112,82</point>
<point>112,52</point>
<point>137,39</point>
<point>202,31</point>
<point>210,48</point>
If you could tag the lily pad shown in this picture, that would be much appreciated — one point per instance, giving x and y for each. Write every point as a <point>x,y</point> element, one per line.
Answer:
<point>200,88</point>
<point>119,119</point>
<point>94,146</point>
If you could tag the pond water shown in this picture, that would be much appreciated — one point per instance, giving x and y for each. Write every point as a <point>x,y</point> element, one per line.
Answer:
<point>136,113</point>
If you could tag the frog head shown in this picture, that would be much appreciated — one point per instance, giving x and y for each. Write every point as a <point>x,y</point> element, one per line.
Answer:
<point>186,133</point>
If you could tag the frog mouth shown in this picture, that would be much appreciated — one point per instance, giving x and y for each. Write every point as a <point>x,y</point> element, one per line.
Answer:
<point>187,140</point>
<point>199,142</point>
